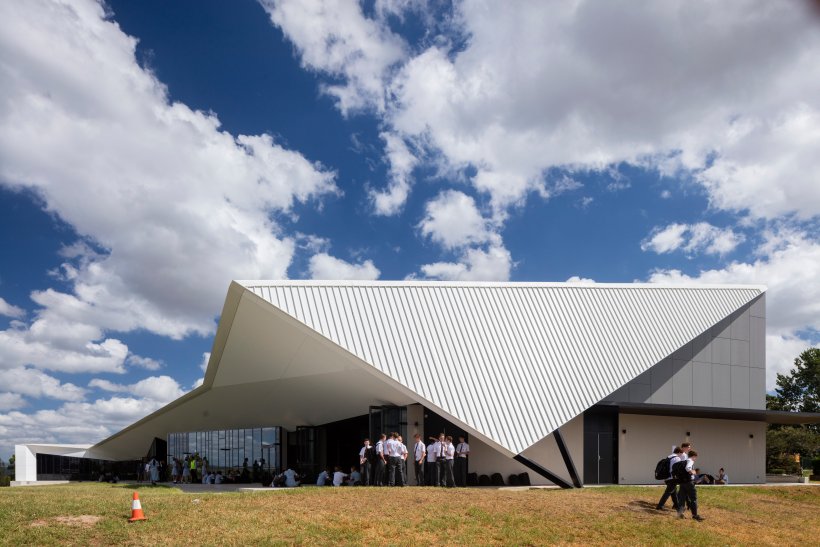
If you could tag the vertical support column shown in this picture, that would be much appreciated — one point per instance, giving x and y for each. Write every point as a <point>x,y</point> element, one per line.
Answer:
<point>543,471</point>
<point>562,447</point>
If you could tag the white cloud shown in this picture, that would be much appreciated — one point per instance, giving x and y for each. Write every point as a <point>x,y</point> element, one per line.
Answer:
<point>169,206</point>
<point>401,162</point>
<point>11,401</point>
<point>580,280</point>
<point>324,266</point>
<point>781,351</point>
<point>692,238</point>
<point>155,388</point>
<point>206,356</point>
<point>452,220</point>
<point>511,93</point>
<point>789,264</point>
<point>9,310</point>
<point>143,362</point>
<point>334,37</point>
<point>493,264</point>
<point>35,383</point>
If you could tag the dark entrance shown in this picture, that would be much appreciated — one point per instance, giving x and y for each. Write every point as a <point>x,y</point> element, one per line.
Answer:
<point>601,446</point>
<point>435,424</point>
<point>384,419</point>
<point>314,448</point>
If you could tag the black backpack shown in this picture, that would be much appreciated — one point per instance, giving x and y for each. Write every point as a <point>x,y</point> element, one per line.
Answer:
<point>662,470</point>
<point>680,473</point>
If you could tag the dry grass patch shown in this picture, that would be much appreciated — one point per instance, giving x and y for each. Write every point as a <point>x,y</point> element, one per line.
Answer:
<point>409,516</point>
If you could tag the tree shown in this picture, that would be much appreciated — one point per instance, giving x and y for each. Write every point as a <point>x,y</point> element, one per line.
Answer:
<point>799,391</point>
<point>11,463</point>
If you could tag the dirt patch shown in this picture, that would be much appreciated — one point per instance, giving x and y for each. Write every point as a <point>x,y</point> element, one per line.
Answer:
<point>83,521</point>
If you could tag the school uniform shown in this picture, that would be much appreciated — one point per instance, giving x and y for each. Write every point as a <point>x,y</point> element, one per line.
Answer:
<point>449,460</point>
<point>671,485</point>
<point>688,494</point>
<point>381,457</point>
<point>365,455</point>
<point>419,451</point>
<point>462,450</point>
<point>393,449</point>
<point>403,465</point>
<point>441,463</point>
<point>431,473</point>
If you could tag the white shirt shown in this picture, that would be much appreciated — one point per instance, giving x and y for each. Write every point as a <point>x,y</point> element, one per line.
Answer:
<point>380,448</point>
<point>338,478</point>
<point>322,480</point>
<point>673,459</point>
<point>362,452</point>
<point>290,477</point>
<point>404,451</point>
<point>449,451</point>
<point>218,479</point>
<point>355,477</point>
<point>463,449</point>
<point>393,448</point>
<point>431,452</point>
<point>418,451</point>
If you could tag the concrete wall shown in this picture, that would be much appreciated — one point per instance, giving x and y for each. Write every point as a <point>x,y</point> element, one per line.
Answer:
<point>415,424</point>
<point>723,367</point>
<point>719,443</point>
<point>486,460</point>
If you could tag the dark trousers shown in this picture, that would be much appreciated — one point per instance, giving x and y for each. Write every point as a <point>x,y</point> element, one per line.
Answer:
<point>431,474</point>
<point>688,494</point>
<point>366,471</point>
<point>378,473</point>
<point>402,480</point>
<point>419,467</point>
<point>671,485</point>
<point>393,463</point>
<point>461,471</point>
<point>442,471</point>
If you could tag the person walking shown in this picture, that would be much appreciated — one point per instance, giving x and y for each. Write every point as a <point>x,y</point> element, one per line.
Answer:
<point>671,482</point>
<point>688,494</point>
<point>153,471</point>
<point>462,452</point>
<point>419,452</point>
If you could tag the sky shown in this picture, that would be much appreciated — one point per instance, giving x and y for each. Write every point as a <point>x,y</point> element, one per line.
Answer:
<point>152,151</point>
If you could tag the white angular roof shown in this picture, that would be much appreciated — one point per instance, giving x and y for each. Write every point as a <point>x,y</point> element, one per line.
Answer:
<point>511,362</point>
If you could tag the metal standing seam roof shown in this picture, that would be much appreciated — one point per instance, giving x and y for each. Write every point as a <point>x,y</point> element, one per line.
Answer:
<point>515,361</point>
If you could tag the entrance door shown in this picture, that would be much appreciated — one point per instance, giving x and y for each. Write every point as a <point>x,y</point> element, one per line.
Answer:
<point>600,446</point>
<point>384,419</point>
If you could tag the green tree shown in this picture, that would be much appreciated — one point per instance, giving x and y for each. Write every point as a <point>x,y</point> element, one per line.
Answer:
<point>799,391</point>
<point>11,463</point>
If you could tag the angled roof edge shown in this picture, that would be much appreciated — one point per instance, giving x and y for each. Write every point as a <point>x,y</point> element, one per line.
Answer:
<point>247,283</point>
<point>229,308</point>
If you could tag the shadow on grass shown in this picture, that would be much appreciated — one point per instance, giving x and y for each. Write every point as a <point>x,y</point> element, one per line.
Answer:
<point>643,506</point>
<point>138,485</point>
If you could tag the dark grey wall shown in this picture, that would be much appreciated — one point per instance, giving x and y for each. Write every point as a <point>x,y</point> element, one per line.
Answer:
<point>723,367</point>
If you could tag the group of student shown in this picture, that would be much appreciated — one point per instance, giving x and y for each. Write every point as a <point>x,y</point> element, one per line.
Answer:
<point>682,478</point>
<point>438,464</point>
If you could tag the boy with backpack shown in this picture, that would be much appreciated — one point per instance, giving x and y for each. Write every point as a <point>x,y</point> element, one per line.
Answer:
<point>684,471</point>
<point>663,471</point>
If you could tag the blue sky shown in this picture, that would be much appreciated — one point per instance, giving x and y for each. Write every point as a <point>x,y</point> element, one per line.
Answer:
<point>152,151</point>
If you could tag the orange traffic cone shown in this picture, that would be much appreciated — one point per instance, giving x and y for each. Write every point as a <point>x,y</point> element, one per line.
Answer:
<point>136,509</point>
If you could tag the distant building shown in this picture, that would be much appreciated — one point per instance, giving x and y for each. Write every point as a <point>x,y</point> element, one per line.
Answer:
<point>575,384</point>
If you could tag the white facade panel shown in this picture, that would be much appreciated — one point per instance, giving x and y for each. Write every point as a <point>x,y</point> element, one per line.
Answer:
<point>514,361</point>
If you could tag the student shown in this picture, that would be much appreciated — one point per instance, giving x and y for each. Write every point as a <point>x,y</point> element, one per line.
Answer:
<point>366,454</point>
<point>419,452</point>
<point>355,476</point>
<point>218,477</point>
<point>393,449</point>
<point>671,482</point>
<point>381,461</point>
<point>688,494</point>
<point>722,477</point>
<point>431,473</point>
<point>323,478</point>
<point>449,460</point>
<point>291,478</point>
<point>462,451</point>
<point>339,477</point>
<point>441,459</point>
<point>403,464</point>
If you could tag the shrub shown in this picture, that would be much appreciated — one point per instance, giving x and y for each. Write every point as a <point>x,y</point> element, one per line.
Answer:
<point>815,466</point>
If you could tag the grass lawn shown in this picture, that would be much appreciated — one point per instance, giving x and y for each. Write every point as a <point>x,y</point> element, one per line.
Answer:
<point>625,515</point>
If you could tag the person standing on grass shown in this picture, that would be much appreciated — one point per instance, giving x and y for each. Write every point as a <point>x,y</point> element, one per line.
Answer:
<point>462,452</point>
<point>688,494</point>
<point>393,449</point>
<point>671,482</point>
<point>403,465</point>
<point>419,452</point>
<point>365,459</point>
<point>381,461</point>
<point>431,473</point>
<point>449,459</point>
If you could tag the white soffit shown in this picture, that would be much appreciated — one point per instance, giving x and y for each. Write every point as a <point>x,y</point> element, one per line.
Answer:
<point>513,360</point>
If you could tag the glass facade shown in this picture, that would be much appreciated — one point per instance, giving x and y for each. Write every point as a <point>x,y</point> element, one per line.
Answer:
<point>52,468</point>
<point>227,449</point>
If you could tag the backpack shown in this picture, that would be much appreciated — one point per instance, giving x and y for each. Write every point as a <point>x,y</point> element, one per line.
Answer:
<point>680,473</point>
<point>662,470</point>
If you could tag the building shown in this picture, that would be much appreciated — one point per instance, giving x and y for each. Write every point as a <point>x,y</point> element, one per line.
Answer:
<point>574,384</point>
